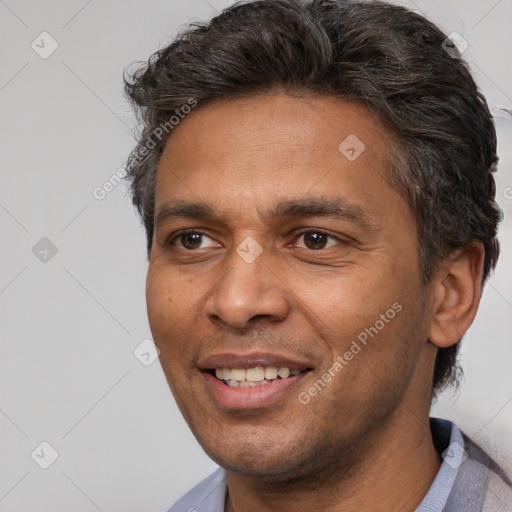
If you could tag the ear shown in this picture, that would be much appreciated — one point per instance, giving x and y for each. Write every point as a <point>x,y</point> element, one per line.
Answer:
<point>456,292</point>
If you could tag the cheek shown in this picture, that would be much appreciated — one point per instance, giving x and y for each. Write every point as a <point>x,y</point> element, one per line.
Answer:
<point>159,302</point>
<point>167,303</point>
<point>168,291</point>
<point>342,307</point>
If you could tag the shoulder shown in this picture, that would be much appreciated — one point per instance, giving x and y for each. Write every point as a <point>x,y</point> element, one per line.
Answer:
<point>481,484</point>
<point>207,496</point>
<point>481,471</point>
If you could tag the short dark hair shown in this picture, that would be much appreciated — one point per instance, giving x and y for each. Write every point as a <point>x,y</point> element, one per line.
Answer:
<point>392,60</point>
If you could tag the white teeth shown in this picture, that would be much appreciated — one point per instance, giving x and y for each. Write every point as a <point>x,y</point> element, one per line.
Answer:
<point>247,384</point>
<point>271,372</point>
<point>256,376</point>
<point>238,374</point>
<point>284,373</point>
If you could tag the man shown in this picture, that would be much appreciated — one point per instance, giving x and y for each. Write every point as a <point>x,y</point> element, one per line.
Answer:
<point>315,180</point>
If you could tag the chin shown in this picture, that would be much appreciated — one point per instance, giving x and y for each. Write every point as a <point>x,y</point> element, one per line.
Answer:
<point>272,460</point>
<point>257,457</point>
<point>263,469</point>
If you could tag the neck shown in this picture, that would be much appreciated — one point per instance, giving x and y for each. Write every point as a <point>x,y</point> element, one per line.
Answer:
<point>392,470</point>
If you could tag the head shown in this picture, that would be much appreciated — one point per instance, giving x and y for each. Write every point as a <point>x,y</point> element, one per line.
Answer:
<point>251,123</point>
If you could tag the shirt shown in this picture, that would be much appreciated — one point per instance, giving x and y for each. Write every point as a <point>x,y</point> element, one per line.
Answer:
<point>469,480</point>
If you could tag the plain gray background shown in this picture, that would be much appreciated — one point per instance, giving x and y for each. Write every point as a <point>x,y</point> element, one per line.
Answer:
<point>71,320</point>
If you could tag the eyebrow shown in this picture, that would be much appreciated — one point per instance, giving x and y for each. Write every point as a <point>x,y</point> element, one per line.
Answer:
<point>289,209</point>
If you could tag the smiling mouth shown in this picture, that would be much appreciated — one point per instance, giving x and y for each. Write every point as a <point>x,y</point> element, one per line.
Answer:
<point>255,376</point>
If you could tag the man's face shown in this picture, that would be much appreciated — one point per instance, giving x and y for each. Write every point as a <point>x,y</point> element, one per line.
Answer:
<point>297,251</point>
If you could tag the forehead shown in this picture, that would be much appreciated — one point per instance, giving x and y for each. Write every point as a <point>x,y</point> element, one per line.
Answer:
<point>258,148</point>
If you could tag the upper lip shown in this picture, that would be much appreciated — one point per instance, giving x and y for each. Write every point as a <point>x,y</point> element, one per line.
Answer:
<point>252,359</point>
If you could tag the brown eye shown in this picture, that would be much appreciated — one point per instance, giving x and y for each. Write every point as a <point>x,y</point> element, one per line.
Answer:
<point>191,240</point>
<point>317,240</point>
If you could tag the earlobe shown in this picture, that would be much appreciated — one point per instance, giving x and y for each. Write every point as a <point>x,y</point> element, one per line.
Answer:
<point>456,292</point>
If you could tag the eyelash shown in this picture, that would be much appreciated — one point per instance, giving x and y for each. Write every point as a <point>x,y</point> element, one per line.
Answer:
<point>301,233</point>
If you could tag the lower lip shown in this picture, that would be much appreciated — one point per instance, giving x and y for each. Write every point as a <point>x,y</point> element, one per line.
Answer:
<point>250,397</point>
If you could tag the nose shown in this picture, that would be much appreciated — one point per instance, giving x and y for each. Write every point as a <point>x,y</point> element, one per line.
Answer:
<point>247,292</point>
